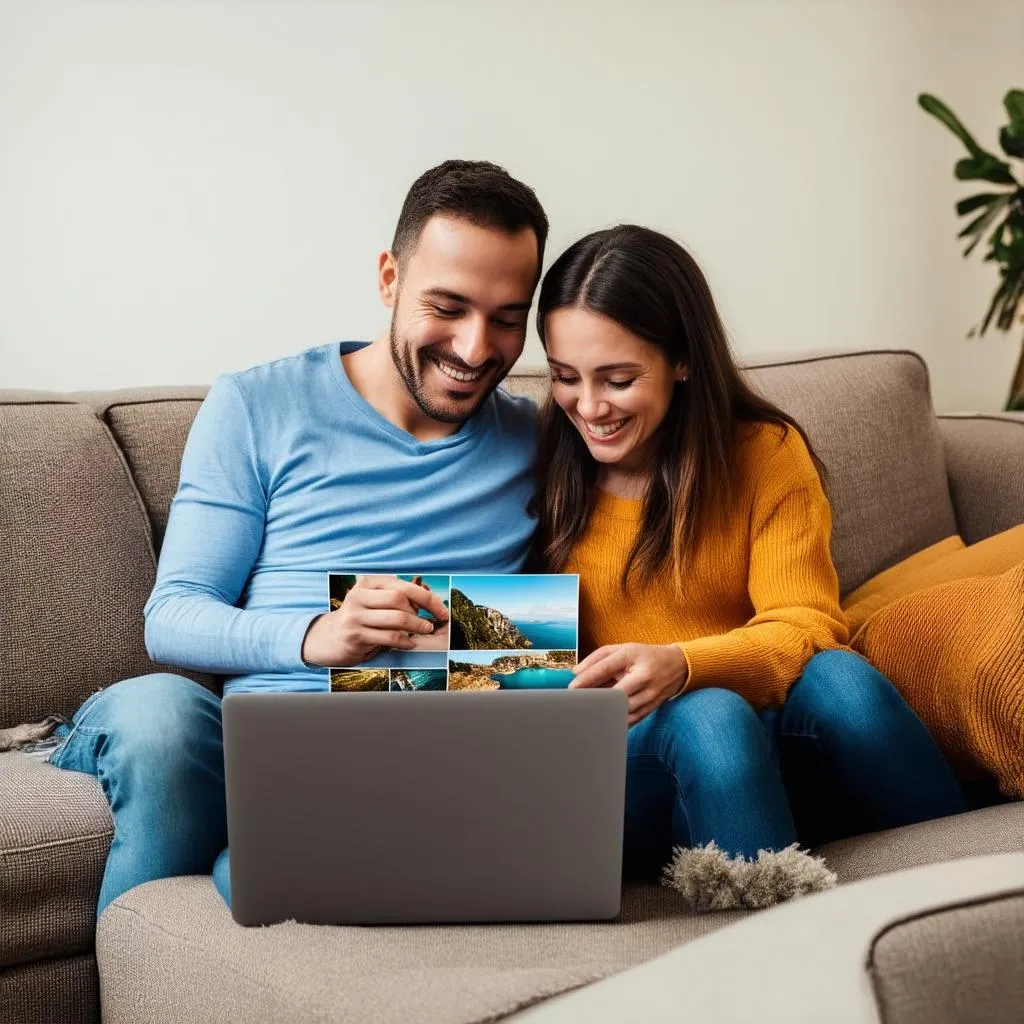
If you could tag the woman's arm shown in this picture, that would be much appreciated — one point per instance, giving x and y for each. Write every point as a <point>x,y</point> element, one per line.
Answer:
<point>792,586</point>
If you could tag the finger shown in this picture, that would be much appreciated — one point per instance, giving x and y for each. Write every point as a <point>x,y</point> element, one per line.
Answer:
<point>371,598</point>
<point>633,682</point>
<point>604,672</point>
<point>418,596</point>
<point>389,618</point>
<point>385,638</point>
<point>595,656</point>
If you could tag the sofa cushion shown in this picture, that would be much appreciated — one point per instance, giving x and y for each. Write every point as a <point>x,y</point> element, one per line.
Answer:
<point>151,425</point>
<point>977,833</point>
<point>48,991</point>
<point>953,964</point>
<point>55,830</point>
<point>870,419</point>
<point>76,560</point>
<point>212,969</point>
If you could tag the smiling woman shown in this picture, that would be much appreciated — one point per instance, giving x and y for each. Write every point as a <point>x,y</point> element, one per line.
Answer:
<point>695,514</point>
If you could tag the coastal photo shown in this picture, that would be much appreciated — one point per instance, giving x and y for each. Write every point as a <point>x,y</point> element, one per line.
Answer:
<point>514,613</point>
<point>430,650</point>
<point>414,680</point>
<point>510,670</point>
<point>354,680</point>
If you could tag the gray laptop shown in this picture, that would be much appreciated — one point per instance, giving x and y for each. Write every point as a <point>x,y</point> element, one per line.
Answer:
<point>405,808</point>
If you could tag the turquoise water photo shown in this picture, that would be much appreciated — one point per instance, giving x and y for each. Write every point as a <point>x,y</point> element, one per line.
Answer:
<point>534,679</point>
<point>549,635</point>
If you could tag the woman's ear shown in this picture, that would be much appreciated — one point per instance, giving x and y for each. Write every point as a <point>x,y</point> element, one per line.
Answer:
<point>682,372</point>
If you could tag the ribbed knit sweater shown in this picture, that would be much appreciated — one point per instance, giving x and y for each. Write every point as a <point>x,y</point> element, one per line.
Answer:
<point>760,595</point>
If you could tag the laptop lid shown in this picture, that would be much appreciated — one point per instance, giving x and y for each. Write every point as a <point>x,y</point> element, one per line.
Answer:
<point>377,808</point>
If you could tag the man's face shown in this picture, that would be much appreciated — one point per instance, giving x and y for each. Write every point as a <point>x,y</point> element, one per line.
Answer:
<point>460,303</point>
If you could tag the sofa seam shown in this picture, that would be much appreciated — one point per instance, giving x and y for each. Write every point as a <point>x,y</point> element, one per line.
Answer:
<point>987,417</point>
<point>53,843</point>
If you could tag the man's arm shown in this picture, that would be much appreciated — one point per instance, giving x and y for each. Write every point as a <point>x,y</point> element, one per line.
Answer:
<point>213,537</point>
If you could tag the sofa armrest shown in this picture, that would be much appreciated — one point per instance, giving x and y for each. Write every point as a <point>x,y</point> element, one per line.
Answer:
<point>811,960</point>
<point>985,465</point>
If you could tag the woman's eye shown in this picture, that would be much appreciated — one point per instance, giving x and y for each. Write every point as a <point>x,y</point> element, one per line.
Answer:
<point>557,378</point>
<point>621,384</point>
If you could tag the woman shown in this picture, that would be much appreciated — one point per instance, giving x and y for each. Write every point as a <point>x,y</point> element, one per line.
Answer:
<point>694,512</point>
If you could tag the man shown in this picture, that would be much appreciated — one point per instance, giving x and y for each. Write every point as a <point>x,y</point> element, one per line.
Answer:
<point>387,457</point>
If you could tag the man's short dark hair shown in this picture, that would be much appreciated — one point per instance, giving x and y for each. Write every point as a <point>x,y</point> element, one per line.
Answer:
<point>475,190</point>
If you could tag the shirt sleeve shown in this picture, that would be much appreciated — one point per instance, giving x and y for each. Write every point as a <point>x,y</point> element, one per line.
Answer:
<point>213,538</point>
<point>792,585</point>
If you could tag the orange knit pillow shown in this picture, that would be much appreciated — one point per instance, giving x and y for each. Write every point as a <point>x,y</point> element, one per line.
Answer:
<point>956,652</point>
<point>947,560</point>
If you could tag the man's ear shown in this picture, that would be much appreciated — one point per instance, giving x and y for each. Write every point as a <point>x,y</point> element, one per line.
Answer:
<point>387,278</point>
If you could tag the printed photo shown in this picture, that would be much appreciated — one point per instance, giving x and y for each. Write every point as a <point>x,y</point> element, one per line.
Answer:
<point>430,649</point>
<point>510,670</point>
<point>418,679</point>
<point>514,613</point>
<point>354,680</point>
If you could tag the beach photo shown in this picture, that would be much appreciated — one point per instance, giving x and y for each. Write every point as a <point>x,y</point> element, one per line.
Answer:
<point>429,651</point>
<point>415,680</point>
<point>354,680</point>
<point>510,670</point>
<point>514,613</point>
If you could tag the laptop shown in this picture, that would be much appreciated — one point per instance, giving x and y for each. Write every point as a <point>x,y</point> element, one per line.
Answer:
<point>377,808</point>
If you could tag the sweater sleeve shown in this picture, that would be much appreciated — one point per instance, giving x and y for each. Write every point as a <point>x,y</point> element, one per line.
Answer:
<point>792,585</point>
<point>213,538</point>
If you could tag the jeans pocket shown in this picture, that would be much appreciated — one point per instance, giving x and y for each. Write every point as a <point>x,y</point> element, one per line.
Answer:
<point>56,757</point>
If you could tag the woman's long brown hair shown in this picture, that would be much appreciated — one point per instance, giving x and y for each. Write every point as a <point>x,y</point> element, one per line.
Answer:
<point>652,287</point>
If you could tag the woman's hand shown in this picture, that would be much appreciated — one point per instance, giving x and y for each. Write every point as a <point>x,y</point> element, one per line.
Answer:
<point>650,674</point>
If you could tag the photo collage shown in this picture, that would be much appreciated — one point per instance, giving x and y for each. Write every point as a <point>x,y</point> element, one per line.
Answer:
<point>503,632</point>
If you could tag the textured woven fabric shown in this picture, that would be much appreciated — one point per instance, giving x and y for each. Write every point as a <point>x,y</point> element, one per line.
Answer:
<point>985,461</point>
<point>212,969</point>
<point>55,830</point>
<point>61,991</point>
<point>953,965</point>
<point>152,435</point>
<point>76,561</point>
<point>870,419</point>
<point>991,830</point>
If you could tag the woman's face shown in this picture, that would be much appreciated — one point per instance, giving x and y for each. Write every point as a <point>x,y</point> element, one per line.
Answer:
<point>615,387</point>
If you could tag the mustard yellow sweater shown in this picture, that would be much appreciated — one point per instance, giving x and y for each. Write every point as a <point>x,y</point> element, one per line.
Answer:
<point>761,595</point>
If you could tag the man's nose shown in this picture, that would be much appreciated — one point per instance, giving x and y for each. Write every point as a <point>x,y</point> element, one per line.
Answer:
<point>472,344</point>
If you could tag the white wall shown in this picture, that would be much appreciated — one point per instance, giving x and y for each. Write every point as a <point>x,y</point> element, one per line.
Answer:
<point>188,188</point>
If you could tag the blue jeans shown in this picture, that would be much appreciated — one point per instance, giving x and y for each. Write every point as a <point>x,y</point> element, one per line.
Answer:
<point>155,745</point>
<point>844,755</point>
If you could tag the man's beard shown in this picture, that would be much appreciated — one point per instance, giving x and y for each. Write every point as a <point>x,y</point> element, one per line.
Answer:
<point>412,378</point>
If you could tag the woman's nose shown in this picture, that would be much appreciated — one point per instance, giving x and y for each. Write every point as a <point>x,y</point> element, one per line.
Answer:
<point>589,406</point>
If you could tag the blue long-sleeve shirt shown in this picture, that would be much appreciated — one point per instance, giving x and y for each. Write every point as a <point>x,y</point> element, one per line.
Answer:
<point>288,474</point>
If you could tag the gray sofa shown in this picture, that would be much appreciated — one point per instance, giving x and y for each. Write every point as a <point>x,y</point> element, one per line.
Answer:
<point>85,486</point>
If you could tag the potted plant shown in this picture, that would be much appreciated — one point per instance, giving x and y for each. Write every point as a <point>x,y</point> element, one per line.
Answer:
<point>997,216</point>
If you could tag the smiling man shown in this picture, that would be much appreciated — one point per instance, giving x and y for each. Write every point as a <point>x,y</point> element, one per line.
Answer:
<point>399,455</point>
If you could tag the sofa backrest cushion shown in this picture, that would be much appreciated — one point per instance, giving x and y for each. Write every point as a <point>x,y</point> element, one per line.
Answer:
<point>76,559</point>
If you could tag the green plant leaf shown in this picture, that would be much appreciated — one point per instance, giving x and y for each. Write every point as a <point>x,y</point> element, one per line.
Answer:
<point>996,299</point>
<point>984,167</point>
<point>982,199</point>
<point>1014,103</point>
<point>980,224</point>
<point>935,107</point>
<point>1011,138</point>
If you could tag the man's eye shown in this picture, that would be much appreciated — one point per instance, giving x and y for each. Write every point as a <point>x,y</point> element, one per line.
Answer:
<point>621,385</point>
<point>510,325</point>
<point>446,311</point>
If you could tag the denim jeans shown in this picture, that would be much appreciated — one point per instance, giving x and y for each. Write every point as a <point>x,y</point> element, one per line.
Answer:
<point>844,755</point>
<point>155,745</point>
<point>849,751</point>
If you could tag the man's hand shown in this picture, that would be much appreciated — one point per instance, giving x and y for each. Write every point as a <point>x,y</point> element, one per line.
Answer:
<point>379,611</point>
<point>650,674</point>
